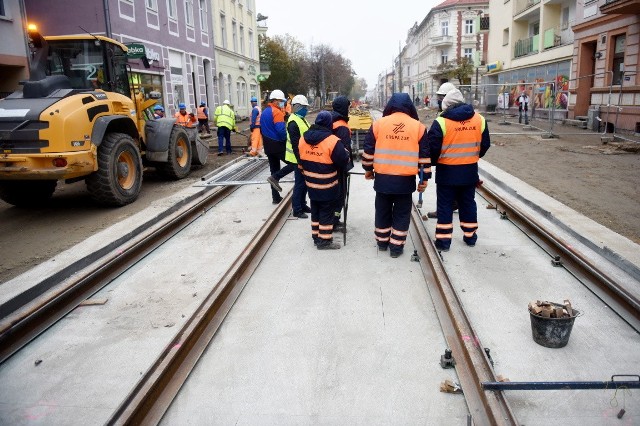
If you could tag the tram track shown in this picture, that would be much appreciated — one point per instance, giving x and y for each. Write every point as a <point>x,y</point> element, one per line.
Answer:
<point>151,396</point>
<point>30,313</point>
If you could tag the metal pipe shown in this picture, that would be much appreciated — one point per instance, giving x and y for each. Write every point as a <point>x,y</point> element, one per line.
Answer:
<point>612,384</point>
<point>107,17</point>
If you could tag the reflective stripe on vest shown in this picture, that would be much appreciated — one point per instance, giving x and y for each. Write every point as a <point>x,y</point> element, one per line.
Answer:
<point>397,145</point>
<point>325,175</point>
<point>341,123</point>
<point>303,126</point>
<point>461,140</point>
<point>225,117</point>
<point>201,115</point>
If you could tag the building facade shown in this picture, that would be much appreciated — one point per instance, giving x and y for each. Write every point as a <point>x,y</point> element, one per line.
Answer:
<point>451,31</point>
<point>236,50</point>
<point>14,63</point>
<point>175,37</point>
<point>605,62</point>
<point>531,50</point>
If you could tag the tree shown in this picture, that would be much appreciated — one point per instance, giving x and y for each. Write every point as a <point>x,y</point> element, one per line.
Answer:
<point>359,88</point>
<point>285,63</point>
<point>329,71</point>
<point>461,69</point>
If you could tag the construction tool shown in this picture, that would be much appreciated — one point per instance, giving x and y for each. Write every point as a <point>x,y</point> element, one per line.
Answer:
<point>420,193</point>
<point>346,208</point>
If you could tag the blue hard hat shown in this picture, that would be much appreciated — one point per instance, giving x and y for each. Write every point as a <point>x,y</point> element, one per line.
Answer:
<point>182,106</point>
<point>158,108</point>
<point>254,99</point>
<point>203,103</point>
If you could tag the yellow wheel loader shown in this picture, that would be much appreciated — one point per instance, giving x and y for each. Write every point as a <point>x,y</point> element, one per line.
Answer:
<point>78,118</point>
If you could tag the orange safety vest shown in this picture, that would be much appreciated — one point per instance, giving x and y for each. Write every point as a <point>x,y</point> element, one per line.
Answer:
<point>184,120</point>
<point>322,174</point>
<point>201,115</point>
<point>397,145</point>
<point>340,123</point>
<point>461,140</point>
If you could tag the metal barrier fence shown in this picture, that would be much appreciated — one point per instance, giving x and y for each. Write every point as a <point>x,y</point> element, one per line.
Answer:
<point>549,104</point>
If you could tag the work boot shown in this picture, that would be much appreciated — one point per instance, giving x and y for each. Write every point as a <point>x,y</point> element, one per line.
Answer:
<point>277,200</point>
<point>338,226</point>
<point>395,253</point>
<point>301,215</point>
<point>274,183</point>
<point>433,214</point>
<point>306,209</point>
<point>382,248</point>
<point>328,245</point>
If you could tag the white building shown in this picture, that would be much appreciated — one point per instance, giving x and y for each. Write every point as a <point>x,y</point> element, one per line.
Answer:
<point>236,53</point>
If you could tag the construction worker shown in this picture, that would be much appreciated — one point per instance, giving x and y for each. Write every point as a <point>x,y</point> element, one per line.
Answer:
<point>321,156</point>
<point>340,116</point>
<point>184,119</point>
<point>297,125</point>
<point>395,152</point>
<point>158,112</point>
<point>226,122</point>
<point>274,136</point>
<point>256,137</point>
<point>442,91</point>
<point>456,149</point>
<point>203,118</point>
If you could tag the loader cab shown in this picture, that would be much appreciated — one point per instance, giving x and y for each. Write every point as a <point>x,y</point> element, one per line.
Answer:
<point>89,62</point>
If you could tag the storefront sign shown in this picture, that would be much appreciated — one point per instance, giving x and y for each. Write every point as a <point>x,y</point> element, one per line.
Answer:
<point>261,77</point>
<point>136,50</point>
<point>152,55</point>
<point>494,66</point>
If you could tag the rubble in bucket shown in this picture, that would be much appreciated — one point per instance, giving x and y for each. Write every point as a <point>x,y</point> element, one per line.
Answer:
<point>551,310</point>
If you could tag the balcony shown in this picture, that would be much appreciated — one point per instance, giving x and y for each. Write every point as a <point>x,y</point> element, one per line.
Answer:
<point>623,7</point>
<point>523,5</point>
<point>526,46</point>
<point>557,36</point>
<point>442,40</point>
<point>469,39</point>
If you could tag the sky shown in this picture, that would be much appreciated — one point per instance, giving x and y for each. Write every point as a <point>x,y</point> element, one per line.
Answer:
<point>369,33</point>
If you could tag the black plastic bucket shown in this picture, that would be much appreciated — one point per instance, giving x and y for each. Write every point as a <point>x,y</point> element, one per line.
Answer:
<point>552,332</point>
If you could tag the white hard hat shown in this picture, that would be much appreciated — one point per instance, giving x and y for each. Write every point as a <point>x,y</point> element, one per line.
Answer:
<point>277,94</point>
<point>226,102</point>
<point>300,99</point>
<point>445,88</point>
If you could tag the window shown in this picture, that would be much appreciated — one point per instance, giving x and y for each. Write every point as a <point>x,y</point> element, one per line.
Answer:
<point>534,29</point>
<point>234,35</point>
<point>468,26</point>
<point>2,11</point>
<point>505,36</point>
<point>152,4</point>
<point>251,44</point>
<point>445,28</point>
<point>188,12</point>
<point>126,9</point>
<point>468,53</point>
<point>565,18</point>
<point>203,15</point>
<point>618,58</point>
<point>171,8</point>
<point>241,40</point>
<point>253,90</point>
<point>229,87</point>
<point>444,56</point>
<point>223,30</point>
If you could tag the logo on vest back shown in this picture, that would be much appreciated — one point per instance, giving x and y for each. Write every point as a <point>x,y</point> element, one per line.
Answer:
<point>398,128</point>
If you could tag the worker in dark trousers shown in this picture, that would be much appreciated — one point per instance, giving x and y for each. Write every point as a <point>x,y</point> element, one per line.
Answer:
<point>274,137</point>
<point>340,117</point>
<point>457,140</point>
<point>296,126</point>
<point>322,156</point>
<point>395,149</point>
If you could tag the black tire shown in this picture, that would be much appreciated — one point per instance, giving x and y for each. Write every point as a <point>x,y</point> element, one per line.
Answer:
<point>119,177</point>
<point>27,193</point>
<point>178,163</point>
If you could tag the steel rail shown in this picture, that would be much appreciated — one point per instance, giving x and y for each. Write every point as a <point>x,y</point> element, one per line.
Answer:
<point>471,362</point>
<point>66,291</point>
<point>591,272</point>
<point>154,392</point>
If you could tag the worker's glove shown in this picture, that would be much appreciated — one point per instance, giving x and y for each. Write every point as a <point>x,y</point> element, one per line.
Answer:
<point>422,186</point>
<point>369,175</point>
<point>479,183</point>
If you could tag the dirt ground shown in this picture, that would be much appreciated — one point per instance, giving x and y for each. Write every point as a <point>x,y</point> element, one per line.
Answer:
<point>600,181</point>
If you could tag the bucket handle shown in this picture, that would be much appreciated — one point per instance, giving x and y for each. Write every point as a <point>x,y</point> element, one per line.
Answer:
<point>624,375</point>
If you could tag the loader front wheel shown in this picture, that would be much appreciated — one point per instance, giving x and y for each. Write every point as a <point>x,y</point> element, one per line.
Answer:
<point>178,163</point>
<point>27,193</point>
<point>118,180</point>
